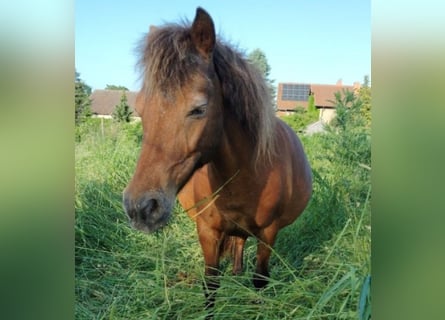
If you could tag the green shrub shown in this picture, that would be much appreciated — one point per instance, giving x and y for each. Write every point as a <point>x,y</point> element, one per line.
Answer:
<point>122,112</point>
<point>300,119</point>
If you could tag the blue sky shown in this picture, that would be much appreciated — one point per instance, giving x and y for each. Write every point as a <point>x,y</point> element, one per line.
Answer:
<point>311,41</point>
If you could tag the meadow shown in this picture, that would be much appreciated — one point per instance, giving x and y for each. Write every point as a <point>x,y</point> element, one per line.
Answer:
<point>320,267</point>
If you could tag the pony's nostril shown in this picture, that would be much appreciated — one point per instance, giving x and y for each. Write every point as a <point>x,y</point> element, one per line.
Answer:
<point>148,212</point>
<point>149,209</point>
<point>154,205</point>
<point>148,205</point>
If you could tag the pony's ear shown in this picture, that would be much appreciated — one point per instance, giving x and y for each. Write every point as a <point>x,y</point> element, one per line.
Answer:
<point>203,33</point>
<point>152,29</point>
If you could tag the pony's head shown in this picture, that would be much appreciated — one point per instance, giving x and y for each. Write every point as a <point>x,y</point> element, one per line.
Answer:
<point>180,105</point>
<point>191,84</point>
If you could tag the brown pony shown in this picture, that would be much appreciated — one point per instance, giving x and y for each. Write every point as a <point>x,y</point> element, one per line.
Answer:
<point>212,138</point>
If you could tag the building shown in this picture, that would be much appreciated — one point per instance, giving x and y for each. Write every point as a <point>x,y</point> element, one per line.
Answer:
<point>103,102</point>
<point>293,95</point>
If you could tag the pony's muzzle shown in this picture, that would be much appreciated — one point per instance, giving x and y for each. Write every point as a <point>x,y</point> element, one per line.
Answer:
<point>148,212</point>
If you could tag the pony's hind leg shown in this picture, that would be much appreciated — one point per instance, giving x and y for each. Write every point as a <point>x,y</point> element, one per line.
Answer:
<point>233,247</point>
<point>238,251</point>
<point>264,249</point>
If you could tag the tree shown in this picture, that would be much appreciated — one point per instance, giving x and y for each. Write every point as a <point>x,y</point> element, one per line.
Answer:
<point>365,96</point>
<point>311,104</point>
<point>114,87</point>
<point>366,81</point>
<point>122,111</point>
<point>349,134</point>
<point>347,110</point>
<point>82,101</point>
<point>258,58</point>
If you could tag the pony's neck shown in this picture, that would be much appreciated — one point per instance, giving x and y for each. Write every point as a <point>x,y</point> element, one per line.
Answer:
<point>236,151</point>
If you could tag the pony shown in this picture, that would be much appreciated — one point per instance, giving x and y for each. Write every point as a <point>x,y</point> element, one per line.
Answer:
<point>211,139</point>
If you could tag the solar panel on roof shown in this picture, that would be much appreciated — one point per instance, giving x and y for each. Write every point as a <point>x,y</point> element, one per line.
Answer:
<point>295,92</point>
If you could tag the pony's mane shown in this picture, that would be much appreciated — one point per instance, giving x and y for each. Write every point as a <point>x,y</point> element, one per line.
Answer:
<point>169,59</point>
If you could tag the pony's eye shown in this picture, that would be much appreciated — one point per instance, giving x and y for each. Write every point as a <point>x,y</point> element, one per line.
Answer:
<point>198,111</point>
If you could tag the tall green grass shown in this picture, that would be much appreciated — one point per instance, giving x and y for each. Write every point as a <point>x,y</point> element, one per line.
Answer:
<point>319,267</point>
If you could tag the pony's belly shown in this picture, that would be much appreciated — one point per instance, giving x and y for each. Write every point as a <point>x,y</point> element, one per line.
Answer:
<point>237,232</point>
<point>238,224</point>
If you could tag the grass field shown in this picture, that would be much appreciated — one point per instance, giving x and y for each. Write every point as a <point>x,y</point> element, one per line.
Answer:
<point>319,267</point>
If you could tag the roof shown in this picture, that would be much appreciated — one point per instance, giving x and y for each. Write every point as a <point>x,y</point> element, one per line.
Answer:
<point>324,94</point>
<point>103,102</point>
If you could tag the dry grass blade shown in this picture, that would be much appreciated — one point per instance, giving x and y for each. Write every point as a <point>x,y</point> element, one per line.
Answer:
<point>213,196</point>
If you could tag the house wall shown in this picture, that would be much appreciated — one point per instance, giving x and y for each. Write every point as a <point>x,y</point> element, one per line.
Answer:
<point>327,114</point>
<point>106,116</point>
<point>281,113</point>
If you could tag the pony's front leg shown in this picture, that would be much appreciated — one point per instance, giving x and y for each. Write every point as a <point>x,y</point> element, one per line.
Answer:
<point>264,249</point>
<point>210,240</point>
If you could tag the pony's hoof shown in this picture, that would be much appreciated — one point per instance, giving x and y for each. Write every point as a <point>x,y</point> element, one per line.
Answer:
<point>260,281</point>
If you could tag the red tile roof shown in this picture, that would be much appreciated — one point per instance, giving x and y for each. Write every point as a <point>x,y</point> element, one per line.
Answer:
<point>324,94</point>
<point>103,102</point>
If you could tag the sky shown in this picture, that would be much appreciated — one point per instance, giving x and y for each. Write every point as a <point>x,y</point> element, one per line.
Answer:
<point>305,41</point>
